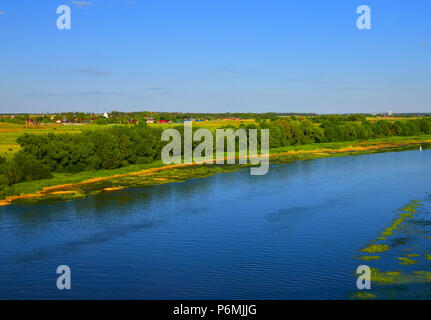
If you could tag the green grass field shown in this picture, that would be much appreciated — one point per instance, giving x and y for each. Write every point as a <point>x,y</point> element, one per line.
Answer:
<point>373,119</point>
<point>9,132</point>
<point>211,124</point>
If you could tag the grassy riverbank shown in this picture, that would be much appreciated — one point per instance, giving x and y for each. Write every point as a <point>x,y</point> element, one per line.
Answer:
<point>72,186</point>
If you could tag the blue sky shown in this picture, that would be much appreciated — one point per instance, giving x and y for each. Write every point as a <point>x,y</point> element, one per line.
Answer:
<point>215,56</point>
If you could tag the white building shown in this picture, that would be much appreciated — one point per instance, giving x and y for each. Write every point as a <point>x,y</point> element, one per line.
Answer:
<point>106,115</point>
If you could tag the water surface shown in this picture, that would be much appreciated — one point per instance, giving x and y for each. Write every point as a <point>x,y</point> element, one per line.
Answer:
<point>292,234</point>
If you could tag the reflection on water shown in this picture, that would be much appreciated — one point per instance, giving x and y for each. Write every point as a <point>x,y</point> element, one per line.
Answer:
<point>292,234</point>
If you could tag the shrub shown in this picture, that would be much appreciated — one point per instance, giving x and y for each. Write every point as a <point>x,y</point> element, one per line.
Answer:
<point>25,167</point>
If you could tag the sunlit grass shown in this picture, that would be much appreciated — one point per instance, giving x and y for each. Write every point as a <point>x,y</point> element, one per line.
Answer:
<point>9,132</point>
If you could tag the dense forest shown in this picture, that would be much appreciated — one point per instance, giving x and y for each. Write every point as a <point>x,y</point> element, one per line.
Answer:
<point>119,146</point>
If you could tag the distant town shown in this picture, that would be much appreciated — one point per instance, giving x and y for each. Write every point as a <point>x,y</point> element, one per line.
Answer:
<point>115,117</point>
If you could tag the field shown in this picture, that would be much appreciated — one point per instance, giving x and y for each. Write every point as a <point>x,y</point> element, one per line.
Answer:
<point>211,124</point>
<point>373,119</point>
<point>9,132</point>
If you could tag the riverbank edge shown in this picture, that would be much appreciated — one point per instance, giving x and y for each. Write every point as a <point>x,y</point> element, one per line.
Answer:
<point>297,153</point>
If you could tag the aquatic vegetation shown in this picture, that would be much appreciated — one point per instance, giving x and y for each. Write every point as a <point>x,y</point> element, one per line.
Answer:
<point>397,224</point>
<point>397,277</point>
<point>406,261</point>
<point>391,277</point>
<point>374,248</point>
<point>97,186</point>
<point>388,232</point>
<point>370,257</point>
<point>424,274</point>
<point>364,295</point>
<point>395,238</point>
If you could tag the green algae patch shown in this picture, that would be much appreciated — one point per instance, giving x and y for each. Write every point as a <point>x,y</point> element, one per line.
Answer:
<point>374,248</point>
<point>397,224</point>
<point>408,212</point>
<point>406,261</point>
<point>370,257</point>
<point>54,196</point>
<point>390,277</point>
<point>387,233</point>
<point>404,237</point>
<point>397,278</point>
<point>364,295</point>
<point>425,275</point>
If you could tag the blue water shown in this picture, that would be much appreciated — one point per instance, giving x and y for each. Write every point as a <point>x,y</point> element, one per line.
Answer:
<point>292,234</point>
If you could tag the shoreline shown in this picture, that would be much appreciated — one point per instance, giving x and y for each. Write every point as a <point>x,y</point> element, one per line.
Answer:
<point>121,181</point>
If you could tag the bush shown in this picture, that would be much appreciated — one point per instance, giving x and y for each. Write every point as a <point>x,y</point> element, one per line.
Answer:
<point>25,167</point>
<point>110,148</point>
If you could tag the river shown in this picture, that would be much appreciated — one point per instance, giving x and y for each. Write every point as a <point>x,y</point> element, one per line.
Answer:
<point>291,234</point>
